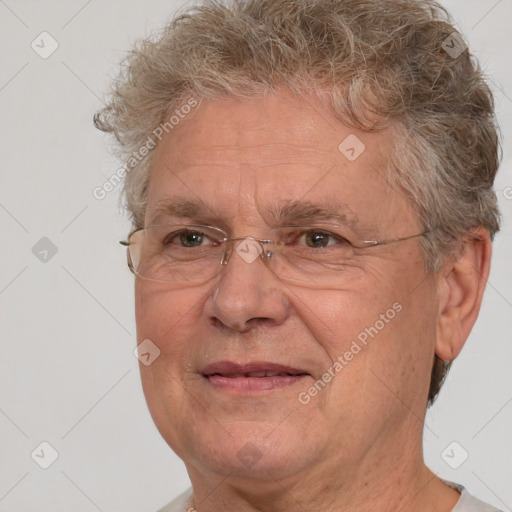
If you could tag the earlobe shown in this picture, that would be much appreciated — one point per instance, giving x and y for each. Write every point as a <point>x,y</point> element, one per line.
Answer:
<point>461,284</point>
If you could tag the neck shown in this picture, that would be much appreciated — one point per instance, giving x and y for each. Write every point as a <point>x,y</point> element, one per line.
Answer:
<point>404,484</point>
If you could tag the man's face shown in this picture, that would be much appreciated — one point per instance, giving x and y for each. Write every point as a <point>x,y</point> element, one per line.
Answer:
<point>245,161</point>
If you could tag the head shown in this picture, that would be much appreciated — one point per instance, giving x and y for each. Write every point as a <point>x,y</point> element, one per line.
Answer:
<point>245,108</point>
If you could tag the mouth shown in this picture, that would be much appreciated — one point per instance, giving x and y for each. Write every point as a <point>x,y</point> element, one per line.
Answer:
<point>255,376</point>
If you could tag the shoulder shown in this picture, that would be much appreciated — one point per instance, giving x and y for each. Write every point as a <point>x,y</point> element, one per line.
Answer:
<point>468,503</point>
<point>178,504</point>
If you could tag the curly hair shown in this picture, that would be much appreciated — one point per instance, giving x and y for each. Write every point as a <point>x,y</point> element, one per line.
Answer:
<point>400,62</point>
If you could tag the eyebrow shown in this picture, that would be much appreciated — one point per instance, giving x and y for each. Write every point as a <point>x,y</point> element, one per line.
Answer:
<point>282,213</point>
<point>299,212</point>
<point>182,208</point>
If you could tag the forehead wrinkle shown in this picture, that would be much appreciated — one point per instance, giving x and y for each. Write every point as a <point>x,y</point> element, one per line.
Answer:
<point>196,151</point>
<point>238,191</point>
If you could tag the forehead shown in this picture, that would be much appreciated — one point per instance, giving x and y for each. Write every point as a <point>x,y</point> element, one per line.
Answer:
<point>271,150</point>
<point>284,125</point>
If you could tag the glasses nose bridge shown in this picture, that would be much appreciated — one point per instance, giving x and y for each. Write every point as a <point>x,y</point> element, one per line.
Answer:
<point>229,244</point>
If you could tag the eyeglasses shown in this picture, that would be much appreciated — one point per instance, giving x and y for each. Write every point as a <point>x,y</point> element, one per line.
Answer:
<point>186,255</point>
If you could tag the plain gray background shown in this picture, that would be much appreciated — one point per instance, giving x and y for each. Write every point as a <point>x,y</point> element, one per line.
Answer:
<point>67,373</point>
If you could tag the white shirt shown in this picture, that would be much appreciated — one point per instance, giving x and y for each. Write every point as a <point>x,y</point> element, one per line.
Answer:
<point>466,503</point>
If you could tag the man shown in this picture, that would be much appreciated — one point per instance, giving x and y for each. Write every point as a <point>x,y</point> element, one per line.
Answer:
<point>310,184</point>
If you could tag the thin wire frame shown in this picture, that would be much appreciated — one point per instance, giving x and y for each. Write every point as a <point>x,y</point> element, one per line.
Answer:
<point>265,255</point>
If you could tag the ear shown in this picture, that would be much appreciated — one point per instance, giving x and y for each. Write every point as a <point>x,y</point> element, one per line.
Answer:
<point>460,286</point>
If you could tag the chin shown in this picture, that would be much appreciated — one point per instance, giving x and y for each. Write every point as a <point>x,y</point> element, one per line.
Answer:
<point>248,451</point>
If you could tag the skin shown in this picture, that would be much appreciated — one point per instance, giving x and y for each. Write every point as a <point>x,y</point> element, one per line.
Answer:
<point>358,444</point>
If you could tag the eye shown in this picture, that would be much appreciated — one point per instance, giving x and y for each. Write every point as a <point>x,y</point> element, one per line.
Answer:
<point>186,238</point>
<point>319,239</point>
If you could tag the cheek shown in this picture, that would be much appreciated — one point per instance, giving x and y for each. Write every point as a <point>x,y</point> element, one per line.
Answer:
<point>163,314</point>
<point>338,319</point>
<point>382,334</point>
<point>399,357</point>
<point>166,317</point>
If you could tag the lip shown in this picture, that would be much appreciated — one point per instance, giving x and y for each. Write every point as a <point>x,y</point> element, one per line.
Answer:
<point>252,376</point>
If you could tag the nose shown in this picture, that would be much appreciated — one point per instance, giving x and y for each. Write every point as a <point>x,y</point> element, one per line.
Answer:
<point>247,293</point>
